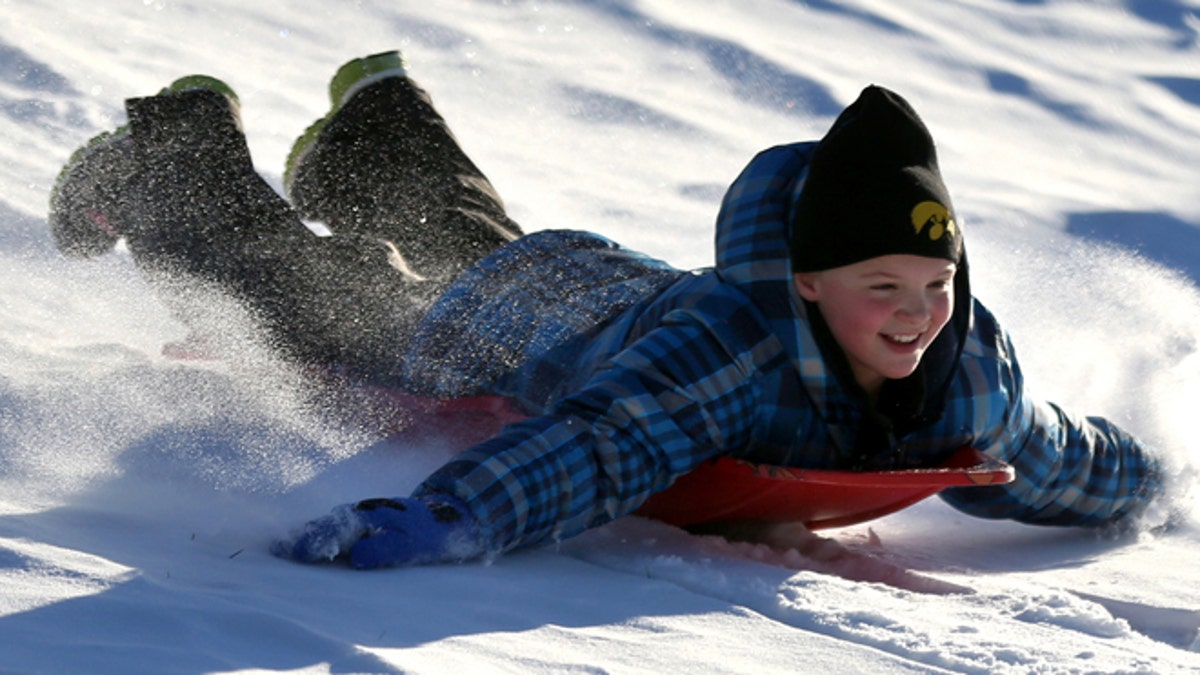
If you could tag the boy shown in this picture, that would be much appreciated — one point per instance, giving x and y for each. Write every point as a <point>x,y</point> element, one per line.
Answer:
<point>837,329</point>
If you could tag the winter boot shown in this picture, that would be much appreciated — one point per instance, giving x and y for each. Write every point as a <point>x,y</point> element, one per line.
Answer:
<point>383,163</point>
<point>90,204</point>
<point>202,205</point>
<point>346,82</point>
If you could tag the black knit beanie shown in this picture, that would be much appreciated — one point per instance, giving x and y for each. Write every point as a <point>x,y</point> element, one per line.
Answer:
<point>873,189</point>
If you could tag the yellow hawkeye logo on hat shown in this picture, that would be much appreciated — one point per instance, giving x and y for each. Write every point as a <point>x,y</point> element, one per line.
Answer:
<point>934,216</point>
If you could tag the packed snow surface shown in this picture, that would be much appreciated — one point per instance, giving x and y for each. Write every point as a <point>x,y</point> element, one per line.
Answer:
<point>138,495</point>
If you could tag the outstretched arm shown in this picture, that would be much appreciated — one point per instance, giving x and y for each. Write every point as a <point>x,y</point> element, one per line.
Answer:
<point>672,400</point>
<point>1070,470</point>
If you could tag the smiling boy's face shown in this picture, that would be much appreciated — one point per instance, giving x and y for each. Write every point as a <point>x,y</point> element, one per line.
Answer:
<point>883,312</point>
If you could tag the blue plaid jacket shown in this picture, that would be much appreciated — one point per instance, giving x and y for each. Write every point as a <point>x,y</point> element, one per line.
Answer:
<point>634,373</point>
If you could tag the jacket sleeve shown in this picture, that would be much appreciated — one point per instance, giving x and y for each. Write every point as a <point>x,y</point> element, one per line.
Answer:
<point>675,397</point>
<point>1070,470</point>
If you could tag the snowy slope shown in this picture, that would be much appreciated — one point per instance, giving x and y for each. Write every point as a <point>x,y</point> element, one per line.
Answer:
<point>138,495</point>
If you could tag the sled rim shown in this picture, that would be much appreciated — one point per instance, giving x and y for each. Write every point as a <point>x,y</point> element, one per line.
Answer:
<point>725,489</point>
<point>966,467</point>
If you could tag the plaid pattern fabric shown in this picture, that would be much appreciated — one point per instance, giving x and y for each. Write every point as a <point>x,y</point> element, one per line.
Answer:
<point>514,307</point>
<point>671,369</point>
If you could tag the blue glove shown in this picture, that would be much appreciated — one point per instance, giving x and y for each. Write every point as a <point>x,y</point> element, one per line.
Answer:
<point>388,532</point>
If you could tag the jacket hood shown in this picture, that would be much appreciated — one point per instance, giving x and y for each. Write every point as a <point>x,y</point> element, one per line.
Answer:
<point>753,254</point>
<point>752,236</point>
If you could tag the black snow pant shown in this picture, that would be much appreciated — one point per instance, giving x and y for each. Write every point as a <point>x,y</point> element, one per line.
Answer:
<point>408,212</point>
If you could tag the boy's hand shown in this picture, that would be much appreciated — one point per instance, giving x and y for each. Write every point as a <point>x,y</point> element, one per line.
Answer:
<point>388,532</point>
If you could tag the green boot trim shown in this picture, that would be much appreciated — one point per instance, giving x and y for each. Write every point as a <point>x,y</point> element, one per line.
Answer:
<point>356,74</point>
<point>189,82</point>
<point>299,151</point>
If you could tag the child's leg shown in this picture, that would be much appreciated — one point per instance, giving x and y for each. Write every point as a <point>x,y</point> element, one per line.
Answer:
<point>384,163</point>
<point>192,208</point>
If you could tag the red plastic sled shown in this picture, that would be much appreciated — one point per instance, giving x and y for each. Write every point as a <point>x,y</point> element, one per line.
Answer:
<point>726,489</point>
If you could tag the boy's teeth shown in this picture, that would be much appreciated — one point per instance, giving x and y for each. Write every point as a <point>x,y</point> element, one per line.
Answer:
<point>905,339</point>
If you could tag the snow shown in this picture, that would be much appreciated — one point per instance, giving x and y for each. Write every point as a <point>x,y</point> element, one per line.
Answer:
<point>138,495</point>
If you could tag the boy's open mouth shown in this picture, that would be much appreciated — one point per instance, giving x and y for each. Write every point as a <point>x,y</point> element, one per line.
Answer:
<point>903,339</point>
